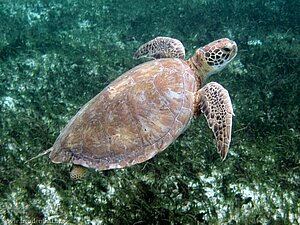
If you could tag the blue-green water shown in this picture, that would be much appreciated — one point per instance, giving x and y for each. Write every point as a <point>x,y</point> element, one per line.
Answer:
<point>56,55</point>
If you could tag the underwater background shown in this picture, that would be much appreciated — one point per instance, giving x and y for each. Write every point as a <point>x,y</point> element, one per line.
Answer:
<point>56,55</point>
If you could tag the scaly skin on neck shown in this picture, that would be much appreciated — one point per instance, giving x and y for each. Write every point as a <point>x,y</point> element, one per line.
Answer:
<point>199,65</point>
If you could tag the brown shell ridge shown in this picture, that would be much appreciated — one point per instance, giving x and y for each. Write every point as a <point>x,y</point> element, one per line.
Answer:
<point>181,107</point>
<point>175,119</point>
<point>138,122</point>
<point>132,116</point>
<point>168,108</point>
<point>189,109</point>
<point>120,159</point>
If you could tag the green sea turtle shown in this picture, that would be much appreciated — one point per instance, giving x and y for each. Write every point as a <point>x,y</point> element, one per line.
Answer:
<point>144,110</point>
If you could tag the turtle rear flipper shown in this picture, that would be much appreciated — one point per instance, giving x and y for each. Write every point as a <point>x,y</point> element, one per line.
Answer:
<point>215,103</point>
<point>78,172</point>
<point>161,47</point>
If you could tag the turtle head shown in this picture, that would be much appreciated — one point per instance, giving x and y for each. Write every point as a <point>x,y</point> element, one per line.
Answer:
<point>213,57</point>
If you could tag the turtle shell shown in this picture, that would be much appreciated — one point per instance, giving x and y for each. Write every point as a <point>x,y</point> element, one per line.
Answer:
<point>137,116</point>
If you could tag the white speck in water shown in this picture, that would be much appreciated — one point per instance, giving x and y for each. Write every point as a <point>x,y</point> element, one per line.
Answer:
<point>9,102</point>
<point>254,42</point>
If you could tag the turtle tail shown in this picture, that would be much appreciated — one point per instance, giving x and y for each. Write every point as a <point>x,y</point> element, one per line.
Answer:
<point>40,155</point>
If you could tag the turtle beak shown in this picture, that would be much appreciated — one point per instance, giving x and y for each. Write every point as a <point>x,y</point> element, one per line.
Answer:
<point>234,49</point>
<point>229,50</point>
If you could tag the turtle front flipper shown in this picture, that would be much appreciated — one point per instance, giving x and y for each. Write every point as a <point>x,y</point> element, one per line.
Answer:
<point>161,47</point>
<point>215,103</point>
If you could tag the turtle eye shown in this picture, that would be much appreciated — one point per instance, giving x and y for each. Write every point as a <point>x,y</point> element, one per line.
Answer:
<point>225,49</point>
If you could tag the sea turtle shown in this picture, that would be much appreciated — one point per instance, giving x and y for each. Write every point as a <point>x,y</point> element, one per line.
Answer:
<point>144,110</point>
